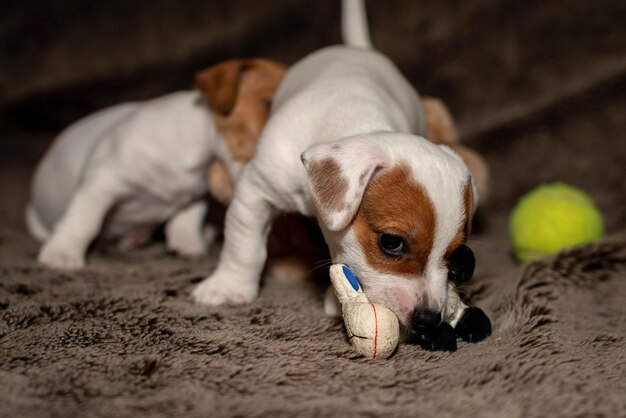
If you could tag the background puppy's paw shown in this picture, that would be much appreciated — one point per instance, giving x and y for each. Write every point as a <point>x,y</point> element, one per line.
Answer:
<point>220,290</point>
<point>441,338</point>
<point>474,325</point>
<point>187,245</point>
<point>60,257</point>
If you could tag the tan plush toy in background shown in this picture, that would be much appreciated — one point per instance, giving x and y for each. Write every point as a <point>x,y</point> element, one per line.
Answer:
<point>373,329</point>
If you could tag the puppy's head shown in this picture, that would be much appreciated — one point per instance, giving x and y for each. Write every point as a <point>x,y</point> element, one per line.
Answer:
<point>239,93</point>
<point>397,209</point>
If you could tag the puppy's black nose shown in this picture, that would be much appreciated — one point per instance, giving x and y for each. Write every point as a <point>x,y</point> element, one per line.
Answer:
<point>423,319</point>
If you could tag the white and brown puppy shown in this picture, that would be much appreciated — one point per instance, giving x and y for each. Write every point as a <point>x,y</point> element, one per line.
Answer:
<point>122,171</point>
<point>346,144</point>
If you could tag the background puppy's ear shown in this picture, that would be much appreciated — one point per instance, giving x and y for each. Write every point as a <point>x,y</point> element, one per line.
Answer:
<point>220,84</point>
<point>338,175</point>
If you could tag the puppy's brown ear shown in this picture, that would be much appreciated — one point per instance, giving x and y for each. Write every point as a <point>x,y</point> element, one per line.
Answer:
<point>220,85</point>
<point>338,174</point>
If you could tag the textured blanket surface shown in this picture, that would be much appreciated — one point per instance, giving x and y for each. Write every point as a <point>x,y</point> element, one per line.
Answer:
<point>539,90</point>
<point>122,339</point>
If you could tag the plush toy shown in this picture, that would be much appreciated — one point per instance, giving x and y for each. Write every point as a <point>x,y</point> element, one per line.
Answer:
<point>455,308</point>
<point>373,329</point>
<point>551,218</point>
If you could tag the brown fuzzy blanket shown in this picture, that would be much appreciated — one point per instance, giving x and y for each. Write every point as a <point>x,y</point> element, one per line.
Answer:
<point>539,91</point>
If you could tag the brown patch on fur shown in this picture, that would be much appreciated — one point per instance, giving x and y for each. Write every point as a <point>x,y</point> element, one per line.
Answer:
<point>395,203</point>
<point>219,84</point>
<point>241,109</point>
<point>464,231</point>
<point>329,186</point>
<point>468,200</point>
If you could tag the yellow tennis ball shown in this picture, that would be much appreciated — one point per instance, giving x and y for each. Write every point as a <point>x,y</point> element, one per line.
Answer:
<point>551,218</point>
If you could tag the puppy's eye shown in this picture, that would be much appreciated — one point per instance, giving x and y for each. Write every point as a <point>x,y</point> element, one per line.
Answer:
<point>391,244</point>
<point>268,104</point>
<point>461,265</point>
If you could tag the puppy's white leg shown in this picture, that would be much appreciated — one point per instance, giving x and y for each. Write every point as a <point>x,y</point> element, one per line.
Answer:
<point>184,231</point>
<point>81,223</point>
<point>238,273</point>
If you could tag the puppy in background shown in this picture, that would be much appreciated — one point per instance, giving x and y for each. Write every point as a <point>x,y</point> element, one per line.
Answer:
<point>123,171</point>
<point>347,144</point>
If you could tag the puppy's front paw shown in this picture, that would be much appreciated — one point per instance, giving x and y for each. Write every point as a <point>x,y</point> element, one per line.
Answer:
<point>62,257</point>
<point>474,325</point>
<point>441,338</point>
<point>221,290</point>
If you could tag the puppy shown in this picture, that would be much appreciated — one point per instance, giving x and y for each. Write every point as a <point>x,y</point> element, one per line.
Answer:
<point>346,144</point>
<point>295,245</point>
<point>121,172</point>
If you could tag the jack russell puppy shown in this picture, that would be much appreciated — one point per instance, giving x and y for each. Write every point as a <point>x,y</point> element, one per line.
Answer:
<point>346,144</point>
<point>123,171</point>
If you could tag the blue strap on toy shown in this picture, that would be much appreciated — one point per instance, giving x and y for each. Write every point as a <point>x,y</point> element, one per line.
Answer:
<point>350,276</point>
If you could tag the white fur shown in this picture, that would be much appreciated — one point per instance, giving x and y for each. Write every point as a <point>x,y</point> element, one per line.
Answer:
<point>121,172</point>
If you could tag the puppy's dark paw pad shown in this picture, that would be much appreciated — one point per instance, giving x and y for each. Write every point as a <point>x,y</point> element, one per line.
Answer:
<point>443,338</point>
<point>474,326</point>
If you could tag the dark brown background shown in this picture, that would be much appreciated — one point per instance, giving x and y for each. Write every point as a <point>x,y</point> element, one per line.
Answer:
<point>537,87</point>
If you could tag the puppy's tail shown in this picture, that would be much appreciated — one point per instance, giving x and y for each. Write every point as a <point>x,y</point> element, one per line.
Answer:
<point>354,27</point>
